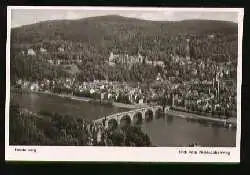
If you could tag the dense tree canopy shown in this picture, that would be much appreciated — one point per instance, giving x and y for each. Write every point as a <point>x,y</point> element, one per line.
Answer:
<point>48,128</point>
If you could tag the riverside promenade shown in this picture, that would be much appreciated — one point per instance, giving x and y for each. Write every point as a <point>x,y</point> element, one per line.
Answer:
<point>188,115</point>
<point>87,99</point>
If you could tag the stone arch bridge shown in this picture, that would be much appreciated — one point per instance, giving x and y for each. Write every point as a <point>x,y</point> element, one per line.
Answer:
<point>134,117</point>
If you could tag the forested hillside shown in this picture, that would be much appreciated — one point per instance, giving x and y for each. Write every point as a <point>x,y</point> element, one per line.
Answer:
<point>111,28</point>
<point>93,38</point>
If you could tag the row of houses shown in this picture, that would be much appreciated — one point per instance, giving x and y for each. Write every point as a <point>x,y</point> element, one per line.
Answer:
<point>106,90</point>
<point>63,62</point>
<point>55,61</point>
<point>113,90</point>
<point>41,50</point>
<point>33,86</point>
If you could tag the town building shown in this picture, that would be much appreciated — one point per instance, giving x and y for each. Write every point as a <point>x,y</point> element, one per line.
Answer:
<point>124,59</point>
<point>92,91</point>
<point>31,52</point>
<point>159,78</point>
<point>60,49</point>
<point>34,87</point>
<point>154,62</point>
<point>42,50</point>
<point>141,101</point>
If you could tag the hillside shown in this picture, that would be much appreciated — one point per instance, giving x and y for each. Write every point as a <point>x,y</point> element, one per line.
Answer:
<point>107,28</point>
<point>92,39</point>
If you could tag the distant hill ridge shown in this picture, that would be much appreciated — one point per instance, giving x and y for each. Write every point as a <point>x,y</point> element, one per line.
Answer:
<point>120,19</point>
<point>111,27</point>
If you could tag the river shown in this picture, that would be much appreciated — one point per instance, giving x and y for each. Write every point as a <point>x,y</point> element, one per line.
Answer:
<point>167,131</point>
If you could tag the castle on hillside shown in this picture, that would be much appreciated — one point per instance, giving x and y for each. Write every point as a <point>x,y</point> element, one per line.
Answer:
<point>130,60</point>
<point>125,59</point>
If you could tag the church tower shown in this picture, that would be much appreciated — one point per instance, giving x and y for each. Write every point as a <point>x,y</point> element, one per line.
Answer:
<point>139,56</point>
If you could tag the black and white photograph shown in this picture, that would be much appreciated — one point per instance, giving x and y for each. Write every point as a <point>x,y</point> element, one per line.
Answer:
<point>103,78</point>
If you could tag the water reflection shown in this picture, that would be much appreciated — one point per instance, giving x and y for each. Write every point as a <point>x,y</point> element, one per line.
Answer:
<point>43,102</point>
<point>215,131</point>
<point>169,119</point>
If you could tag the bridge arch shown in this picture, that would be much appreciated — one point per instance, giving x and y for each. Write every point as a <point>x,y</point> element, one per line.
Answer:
<point>112,124</point>
<point>137,118</point>
<point>149,115</point>
<point>131,117</point>
<point>125,120</point>
<point>158,112</point>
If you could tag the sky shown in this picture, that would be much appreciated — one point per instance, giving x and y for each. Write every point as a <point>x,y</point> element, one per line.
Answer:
<point>21,17</point>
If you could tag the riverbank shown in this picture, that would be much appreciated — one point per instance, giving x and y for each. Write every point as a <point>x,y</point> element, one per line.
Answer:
<point>230,122</point>
<point>87,99</point>
<point>72,97</point>
<point>130,106</point>
<point>186,115</point>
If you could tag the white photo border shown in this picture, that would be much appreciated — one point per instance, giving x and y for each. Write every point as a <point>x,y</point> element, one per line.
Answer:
<point>124,154</point>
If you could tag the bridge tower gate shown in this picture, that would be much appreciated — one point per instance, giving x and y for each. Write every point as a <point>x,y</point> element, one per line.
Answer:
<point>125,119</point>
<point>113,123</point>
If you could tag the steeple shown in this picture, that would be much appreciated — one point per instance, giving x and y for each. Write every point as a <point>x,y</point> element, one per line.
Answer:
<point>139,54</point>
